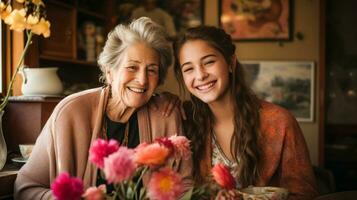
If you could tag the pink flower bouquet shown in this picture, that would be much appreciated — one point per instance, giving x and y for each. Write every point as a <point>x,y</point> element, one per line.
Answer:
<point>125,168</point>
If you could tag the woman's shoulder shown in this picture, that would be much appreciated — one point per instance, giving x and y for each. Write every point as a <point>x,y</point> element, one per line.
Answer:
<point>78,101</point>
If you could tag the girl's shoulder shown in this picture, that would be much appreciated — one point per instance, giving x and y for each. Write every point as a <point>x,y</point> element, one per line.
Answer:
<point>270,111</point>
<point>276,121</point>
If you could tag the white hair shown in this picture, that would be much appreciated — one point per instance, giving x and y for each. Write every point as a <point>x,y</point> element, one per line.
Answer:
<point>123,36</point>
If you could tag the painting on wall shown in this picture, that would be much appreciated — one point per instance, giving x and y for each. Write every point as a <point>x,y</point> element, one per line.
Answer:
<point>248,20</point>
<point>288,84</point>
<point>175,16</point>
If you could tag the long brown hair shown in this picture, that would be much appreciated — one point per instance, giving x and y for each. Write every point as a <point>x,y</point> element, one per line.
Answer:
<point>244,144</point>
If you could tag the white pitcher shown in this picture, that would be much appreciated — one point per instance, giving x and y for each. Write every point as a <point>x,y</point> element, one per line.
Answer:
<point>41,81</point>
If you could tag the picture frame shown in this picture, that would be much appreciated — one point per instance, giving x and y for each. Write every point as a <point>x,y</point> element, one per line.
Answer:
<point>289,84</point>
<point>247,20</point>
<point>184,13</point>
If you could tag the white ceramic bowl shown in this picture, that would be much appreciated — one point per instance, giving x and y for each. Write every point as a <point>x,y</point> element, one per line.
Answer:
<point>25,150</point>
<point>264,193</point>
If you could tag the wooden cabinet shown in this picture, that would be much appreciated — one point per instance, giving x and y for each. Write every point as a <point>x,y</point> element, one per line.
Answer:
<point>67,48</point>
<point>341,93</point>
<point>62,43</point>
<point>24,120</point>
<point>7,178</point>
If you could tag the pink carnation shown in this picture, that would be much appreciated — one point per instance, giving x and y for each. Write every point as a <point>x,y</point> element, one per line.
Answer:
<point>120,165</point>
<point>101,149</point>
<point>65,187</point>
<point>151,154</point>
<point>223,177</point>
<point>181,146</point>
<point>95,193</point>
<point>165,185</point>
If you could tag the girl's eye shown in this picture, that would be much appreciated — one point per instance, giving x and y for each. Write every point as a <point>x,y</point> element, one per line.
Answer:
<point>209,62</point>
<point>187,69</point>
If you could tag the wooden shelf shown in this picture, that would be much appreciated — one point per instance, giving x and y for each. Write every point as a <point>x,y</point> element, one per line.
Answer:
<point>66,47</point>
<point>60,3</point>
<point>68,60</point>
<point>92,14</point>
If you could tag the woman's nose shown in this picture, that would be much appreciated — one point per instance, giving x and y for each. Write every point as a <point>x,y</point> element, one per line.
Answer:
<point>142,77</point>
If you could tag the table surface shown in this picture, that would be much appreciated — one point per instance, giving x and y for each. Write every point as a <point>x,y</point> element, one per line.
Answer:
<point>7,178</point>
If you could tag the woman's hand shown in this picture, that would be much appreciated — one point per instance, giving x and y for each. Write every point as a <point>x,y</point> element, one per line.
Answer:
<point>171,102</point>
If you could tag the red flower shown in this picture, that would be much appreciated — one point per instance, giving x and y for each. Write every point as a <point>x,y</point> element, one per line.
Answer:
<point>223,177</point>
<point>101,149</point>
<point>65,187</point>
<point>165,142</point>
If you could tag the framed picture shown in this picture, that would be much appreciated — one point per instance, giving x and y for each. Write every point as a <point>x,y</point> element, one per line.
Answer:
<point>175,16</point>
<point>288,84</point>
<point>248,20</point>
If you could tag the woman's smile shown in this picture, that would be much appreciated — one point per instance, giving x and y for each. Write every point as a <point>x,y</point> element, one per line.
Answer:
<point>137,90</point>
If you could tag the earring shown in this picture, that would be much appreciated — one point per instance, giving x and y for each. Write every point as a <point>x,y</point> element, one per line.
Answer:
<point>110,90</point>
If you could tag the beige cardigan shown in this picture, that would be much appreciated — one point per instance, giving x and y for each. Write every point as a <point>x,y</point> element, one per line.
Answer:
<point>65,140</point>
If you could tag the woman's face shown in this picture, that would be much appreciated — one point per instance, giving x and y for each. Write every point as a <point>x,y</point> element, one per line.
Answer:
<point>205,71</point>
<point>137,76</point>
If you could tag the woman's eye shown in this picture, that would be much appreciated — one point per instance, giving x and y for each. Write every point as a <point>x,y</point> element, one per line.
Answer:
<point>131,68</point>
<point>152,70</point>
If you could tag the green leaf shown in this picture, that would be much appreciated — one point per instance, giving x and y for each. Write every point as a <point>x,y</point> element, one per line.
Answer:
<point>142,193</point>
<point>187,195</point>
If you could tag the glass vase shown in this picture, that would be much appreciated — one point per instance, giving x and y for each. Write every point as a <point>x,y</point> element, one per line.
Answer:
<point>3,149</point>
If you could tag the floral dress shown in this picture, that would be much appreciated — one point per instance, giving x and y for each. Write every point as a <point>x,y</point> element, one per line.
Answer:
<point>218,156</point>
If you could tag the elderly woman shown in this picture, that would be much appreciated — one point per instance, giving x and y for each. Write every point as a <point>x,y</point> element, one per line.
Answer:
<point>134,62</point>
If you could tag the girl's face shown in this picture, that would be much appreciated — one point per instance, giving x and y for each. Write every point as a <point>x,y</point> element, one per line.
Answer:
<point>137,76</point>
<point>205,71</point>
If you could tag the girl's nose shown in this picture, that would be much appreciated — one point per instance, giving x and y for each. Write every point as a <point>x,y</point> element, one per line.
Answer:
<point>201,74</point>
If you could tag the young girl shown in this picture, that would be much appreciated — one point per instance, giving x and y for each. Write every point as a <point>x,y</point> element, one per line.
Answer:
<point>261,143</point>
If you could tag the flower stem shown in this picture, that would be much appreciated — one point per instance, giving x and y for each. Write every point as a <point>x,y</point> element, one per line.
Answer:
<point>139,180</point>
<point>19,64</point>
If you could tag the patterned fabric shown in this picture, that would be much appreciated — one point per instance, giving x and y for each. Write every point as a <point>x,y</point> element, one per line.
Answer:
<point>218,156</point>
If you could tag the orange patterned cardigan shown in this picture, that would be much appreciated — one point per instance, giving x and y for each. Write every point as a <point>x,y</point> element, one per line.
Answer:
<point>285,157</point>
